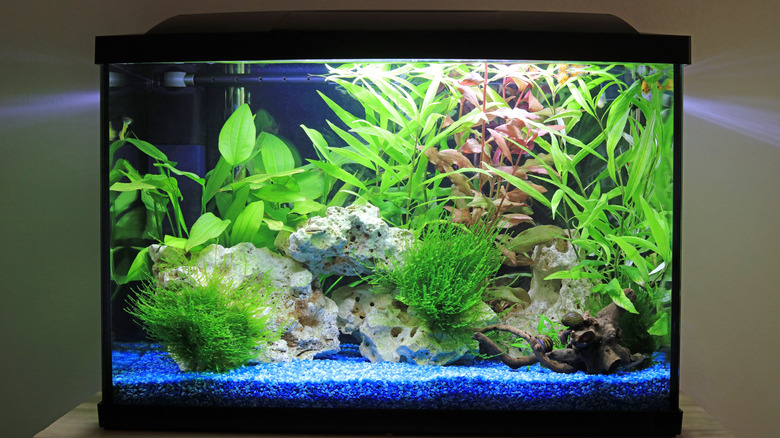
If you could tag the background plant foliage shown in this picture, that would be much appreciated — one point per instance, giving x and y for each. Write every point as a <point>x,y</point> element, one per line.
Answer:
<point>506,138</point>
<point>421,145</point>
<point>620,218</point>
<point>256,190</point>
<point>529,150</point>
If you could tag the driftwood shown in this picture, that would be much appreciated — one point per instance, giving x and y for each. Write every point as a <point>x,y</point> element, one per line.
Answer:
<point>592,344</point>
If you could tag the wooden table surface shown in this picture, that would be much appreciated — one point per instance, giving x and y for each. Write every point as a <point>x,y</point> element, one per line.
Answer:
<point>82,422</point>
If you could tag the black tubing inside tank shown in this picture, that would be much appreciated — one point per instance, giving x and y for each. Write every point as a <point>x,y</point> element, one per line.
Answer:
<point>244,80</point>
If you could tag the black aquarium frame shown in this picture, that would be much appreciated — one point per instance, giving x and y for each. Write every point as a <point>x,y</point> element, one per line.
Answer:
<point>329,35</point>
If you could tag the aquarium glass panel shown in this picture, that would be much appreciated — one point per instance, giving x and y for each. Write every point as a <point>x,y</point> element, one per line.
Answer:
<point>391,234</point>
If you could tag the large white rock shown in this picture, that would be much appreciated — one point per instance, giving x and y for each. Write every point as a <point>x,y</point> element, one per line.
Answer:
<point>347,240</point>
<point>551,298</point>
<point>309,316</point>
<point>390,332</point>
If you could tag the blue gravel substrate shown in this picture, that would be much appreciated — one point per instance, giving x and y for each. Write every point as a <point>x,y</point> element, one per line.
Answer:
<point>145,374</point>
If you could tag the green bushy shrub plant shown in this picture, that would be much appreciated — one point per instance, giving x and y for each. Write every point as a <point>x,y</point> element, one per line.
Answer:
<point>215,326</point>
<point>443,276</point>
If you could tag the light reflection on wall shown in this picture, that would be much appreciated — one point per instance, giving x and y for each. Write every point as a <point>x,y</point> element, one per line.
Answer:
<point>731,91</point>
<point>29,110</point>
<point>752,121</point>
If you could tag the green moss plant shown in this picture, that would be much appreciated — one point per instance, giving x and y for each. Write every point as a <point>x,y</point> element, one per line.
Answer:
<point>443,276</point>
<point>214,326</point>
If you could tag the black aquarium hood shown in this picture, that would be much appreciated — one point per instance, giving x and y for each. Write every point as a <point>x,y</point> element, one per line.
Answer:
<point>317,35</point>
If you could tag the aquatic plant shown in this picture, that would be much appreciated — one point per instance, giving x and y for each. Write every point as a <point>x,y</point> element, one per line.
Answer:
<point>620,217</point>
<point>436,115</point>
<point>382,159</point>
<point>256,190</point>
<point>443,276</point>
<point>215,326</point>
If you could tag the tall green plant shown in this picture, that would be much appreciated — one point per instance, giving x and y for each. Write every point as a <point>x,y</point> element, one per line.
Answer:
<point>255,191</point>
<point>383,160</point>
<point>621,218</point>
<point>454,118</point>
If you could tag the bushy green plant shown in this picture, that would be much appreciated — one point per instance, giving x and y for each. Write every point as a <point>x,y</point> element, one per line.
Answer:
<point>443,276</point>
<point>256,190</point>
<point>214,326</point>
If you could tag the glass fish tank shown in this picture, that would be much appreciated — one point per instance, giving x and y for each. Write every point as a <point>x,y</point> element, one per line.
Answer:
<point>405,223</point>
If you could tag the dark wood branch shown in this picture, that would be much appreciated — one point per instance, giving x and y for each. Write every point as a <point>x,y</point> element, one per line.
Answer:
<point>490,348</point>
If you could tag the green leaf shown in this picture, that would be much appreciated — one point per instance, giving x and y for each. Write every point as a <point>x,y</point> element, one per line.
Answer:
<point>205,228</point>
<point>354,157</point>
<point>631,253</point>
<point>141,268</point>
<point>274,225</point>
<point>318,141</point>
<point>131,224</point>
<point>507,293</point>
<point>237,205</point>
<point>464,123</point>
<point>658,228</point>
<point>307,206</point>
<point>572,275</point>
<point>257,180</point>
<point>312,183</point>
<point>124,201</point>
<point>394,145</point>
<point>275,153</point>
<point>214,180</point>
<point>615,292</point>
<point>344,115</point>
<point>339,173</point>
<point>248,223</point>
<point>616,123</point>
<point>525,241</point>
<point>132,186</point>
<point>175,242</point>
<point>597,211</point>
<point>362,149</point>
<point>264,121</point>
<point>661,326</point>
<point>189,175</point>
<point>148,149</point>
<point>641,244</point>
<point>237,136</point>
<point>520,184</point>
<point>581,95</point>
<point>642,164</point>
<point>278,193</point>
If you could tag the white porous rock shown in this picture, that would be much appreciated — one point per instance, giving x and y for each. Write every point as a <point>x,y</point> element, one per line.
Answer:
<point>390,332</point>
<point>309,317</point>
<point>313,331</point>
<point>347,240</point>
<point>354,304</point>
<point>551,298</point>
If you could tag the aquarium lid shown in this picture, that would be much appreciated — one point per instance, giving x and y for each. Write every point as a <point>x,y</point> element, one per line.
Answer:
<point>341,35</point>
<point>520,21</point>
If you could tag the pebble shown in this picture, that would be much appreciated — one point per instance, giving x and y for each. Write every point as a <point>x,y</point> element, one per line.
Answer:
<point>145,374</point>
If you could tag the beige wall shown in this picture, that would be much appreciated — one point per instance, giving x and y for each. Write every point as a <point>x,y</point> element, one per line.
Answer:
<point>49,291</point>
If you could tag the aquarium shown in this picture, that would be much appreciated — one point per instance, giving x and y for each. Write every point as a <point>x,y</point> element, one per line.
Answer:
<point>377,228</point>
